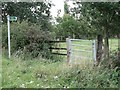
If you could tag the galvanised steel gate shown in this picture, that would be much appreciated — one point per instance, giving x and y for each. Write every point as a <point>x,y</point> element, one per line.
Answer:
<point>80,50</point>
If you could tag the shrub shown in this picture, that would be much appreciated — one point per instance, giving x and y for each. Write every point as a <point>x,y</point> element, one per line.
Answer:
<point>88,77</point>
<point>27,39</point>
<point>113,61</point>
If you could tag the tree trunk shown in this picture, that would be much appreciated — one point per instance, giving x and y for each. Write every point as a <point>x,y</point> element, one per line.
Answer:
<point>106,45</point>
<point>99,48</point>
<point>118,36</point>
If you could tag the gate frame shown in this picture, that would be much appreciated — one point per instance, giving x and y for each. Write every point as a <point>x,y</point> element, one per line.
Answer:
<point>69,49</point>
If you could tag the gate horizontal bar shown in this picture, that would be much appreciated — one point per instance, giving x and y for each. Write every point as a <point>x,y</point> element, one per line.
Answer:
<point>82,57</point>
<point>81,50</point>
<point>58,48</point>
<point>60,54</point>
<point>79,40</point>
<point>79,45</point>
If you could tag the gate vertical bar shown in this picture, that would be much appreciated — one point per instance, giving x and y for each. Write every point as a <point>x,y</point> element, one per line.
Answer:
<point>70,50</point>
<point>68,42</point>
<point>94,51</point>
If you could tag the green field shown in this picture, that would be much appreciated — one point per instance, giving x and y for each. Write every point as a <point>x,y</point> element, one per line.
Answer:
<point>113,44</point>
<point>83,56</point>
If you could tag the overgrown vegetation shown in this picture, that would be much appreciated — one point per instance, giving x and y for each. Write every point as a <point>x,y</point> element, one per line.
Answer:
<point>113,62</point>
<point>32,64</point>
<point>44,74</point>
<point>27,40</point>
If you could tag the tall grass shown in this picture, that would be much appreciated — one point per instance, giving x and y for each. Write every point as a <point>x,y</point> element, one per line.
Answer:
<point>43,74</point>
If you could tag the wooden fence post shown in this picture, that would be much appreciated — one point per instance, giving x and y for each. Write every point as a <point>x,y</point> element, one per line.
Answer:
<point>68,41</point>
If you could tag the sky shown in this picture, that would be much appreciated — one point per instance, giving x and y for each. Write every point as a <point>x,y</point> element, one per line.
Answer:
<point>59,4</point>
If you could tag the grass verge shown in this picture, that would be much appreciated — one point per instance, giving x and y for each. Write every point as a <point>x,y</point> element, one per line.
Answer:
<point>43,74</point>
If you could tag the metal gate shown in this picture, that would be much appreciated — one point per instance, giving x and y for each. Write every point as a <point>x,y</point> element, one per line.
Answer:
<point>80,50</point>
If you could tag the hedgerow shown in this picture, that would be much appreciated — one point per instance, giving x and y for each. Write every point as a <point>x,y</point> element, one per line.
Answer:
<point>27,40</point>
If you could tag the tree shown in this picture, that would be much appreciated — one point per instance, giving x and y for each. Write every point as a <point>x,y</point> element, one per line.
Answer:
<point>66,8</point>
<point>71,26</point>
<point>67,26</point>
<point>37,12</point>
<point>104,17</point>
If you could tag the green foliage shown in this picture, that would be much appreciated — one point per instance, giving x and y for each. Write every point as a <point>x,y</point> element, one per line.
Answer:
<point>77,77</point>
<point>33,12</point>
<point>114,59</point>
<point>28,39</point>
<point>66,8</point>
<point>101,15</point>
<point>43,74</point>
<point>69,26</point>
